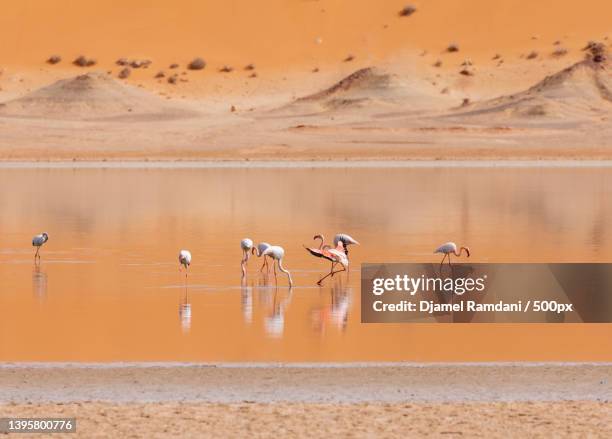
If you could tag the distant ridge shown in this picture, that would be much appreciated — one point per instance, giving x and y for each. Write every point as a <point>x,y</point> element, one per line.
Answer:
<point>365,88</point>
<point>581,90</point>
<point>90,96</point>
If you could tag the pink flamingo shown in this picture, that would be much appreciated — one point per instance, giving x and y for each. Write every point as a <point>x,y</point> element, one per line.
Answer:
<point>450,248</point>
<point>334,255</point>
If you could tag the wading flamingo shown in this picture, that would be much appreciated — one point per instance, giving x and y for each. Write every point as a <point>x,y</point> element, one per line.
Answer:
<point>345,239</point>
<point>259,252</point>
<point>246,245</point>
<point>38,242</point>
<point>450,248</point>
<point>334,255</point>
<point>277,253</point>
<point>184,260</point>
<point>321,251</point>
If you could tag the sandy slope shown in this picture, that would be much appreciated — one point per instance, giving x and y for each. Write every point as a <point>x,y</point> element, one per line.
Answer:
<point>93,95</point>
<point>400,95</point>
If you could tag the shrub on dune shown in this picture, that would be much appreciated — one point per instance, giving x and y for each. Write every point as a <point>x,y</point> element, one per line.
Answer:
<point>196,64</point>
<point>83,61</point>
<point>54,59</point>
<point>407,11</point>
<point>452,48</point>
<point>125,73</point>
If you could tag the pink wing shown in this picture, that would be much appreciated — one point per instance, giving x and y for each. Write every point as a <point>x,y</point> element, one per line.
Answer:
<point>319,253</point>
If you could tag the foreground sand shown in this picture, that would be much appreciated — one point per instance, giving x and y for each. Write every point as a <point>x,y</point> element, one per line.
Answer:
<point>191,420</point>
<point>387,400</point>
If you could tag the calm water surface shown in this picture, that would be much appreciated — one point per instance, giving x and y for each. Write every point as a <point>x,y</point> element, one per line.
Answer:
<point>108,286</point>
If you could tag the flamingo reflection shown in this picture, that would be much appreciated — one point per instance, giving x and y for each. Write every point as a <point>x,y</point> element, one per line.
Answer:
<point>246,301</point>
<point>39,282</point>
<point>185,312</point>
<point>335,313</point>
<point>274,321</point>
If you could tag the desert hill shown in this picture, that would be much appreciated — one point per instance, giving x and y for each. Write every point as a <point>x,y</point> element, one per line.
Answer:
<point>90,96</point>
<point>369,88</point>
<point>580,91</point>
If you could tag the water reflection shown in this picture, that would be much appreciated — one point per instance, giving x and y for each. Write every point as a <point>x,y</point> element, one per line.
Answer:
<point>39,282</point>
<point>399,215</point>
<point>274,321</point>
<point>185,312</point>
<point>335,313</point>
<point>246,301</point>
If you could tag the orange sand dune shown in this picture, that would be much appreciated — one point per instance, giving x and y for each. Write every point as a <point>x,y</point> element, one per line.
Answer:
<point>287,33</point>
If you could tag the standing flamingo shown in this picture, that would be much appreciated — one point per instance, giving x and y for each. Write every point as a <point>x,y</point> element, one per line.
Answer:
<point>259,252</point>
<point>277,254</point>
<point>346,240</point>
<point>184,260</point>
<point>38,242</point>
<point>246,245</point>
<point>450,248</point>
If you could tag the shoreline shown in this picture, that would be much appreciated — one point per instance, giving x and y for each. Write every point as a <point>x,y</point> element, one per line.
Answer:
<point>297,384</point>
<point>289,365</point>
<point>299,164</point>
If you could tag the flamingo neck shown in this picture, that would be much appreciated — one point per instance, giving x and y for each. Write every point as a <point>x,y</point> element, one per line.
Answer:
<point>281,268</point>
<point>461,249</point>
<point>322,238</point>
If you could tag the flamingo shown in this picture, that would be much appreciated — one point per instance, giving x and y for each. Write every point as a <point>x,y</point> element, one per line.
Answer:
<point>259,252</point>
<point>346,240</point>
<point>277,254</point>
<point>184,260</point>
<point>38,242</point>
<point>450,248</point>
<point>247,245</point>
<point>334,255</point>
<point>321,251</point>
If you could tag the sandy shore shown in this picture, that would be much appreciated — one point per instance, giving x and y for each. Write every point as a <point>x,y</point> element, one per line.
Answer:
<point>306,383</point>
<point>571,400</point>
<point>300,420</point>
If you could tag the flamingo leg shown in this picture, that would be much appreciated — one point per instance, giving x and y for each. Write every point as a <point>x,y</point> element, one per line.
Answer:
<point>331,273</point>
<point>274,265</point>
<point>449,262</point>
<point>442,261</point>
<point>36,254</point>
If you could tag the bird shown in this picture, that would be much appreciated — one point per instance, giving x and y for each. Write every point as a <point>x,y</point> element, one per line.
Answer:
<point>259,252</point>
<point>346,240</point>
<point>38,241</point>
<point>321,251</point>
<point>277,253</point>
<point>335,255</point>
<point>184,260</point>
<point>450,248</point>
<point>246,245</point>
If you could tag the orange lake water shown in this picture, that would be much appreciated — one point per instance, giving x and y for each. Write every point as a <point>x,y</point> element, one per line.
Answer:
<point>108,286</point>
